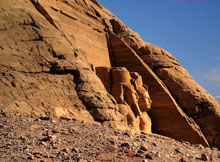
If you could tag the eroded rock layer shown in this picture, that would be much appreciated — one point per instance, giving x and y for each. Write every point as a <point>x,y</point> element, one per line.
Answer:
<point>48,53</point>
<point>43,72</point>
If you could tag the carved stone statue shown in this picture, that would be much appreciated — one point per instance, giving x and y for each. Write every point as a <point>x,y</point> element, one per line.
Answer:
<point>130,94</point>
<point>124,93</point>
<point>123,90</point>
<point>144,103</point>
<point>130,118</point>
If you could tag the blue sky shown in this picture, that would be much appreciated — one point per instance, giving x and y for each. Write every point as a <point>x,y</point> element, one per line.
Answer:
<point>188,29</point>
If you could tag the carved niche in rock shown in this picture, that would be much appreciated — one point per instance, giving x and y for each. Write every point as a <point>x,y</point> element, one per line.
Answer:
<point>131,95</point>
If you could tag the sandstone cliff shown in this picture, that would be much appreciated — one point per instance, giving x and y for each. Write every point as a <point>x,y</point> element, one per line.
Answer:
<point>49,51</point>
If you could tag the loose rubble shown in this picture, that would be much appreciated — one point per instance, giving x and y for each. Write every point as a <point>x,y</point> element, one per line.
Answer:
<point>60,139</point>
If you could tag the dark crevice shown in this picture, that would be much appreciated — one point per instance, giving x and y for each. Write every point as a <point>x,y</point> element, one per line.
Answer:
<point>97,3</point>
<point>66,38</point>
<point>68,15</point>
<point>96,12</point>
<point>100,121</point>
<point>155,68</point>
<point>116,26</point>
<point>60,57</point>
<point>96,29</point>
<point>91,15</point>
<point>32,23</point>
<point>111,54</point>
<point>43,12</point>
<point>53,70</point>
<point>85,2</point>
<point>34,40</point>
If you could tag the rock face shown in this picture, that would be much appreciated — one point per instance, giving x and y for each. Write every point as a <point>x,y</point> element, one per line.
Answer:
<point>196,102</point>
<point>167,117</point>
<point>43,72</point>
<point>49,51</point>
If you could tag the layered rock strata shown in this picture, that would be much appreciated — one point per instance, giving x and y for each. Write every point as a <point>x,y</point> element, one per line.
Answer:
<point>45,73</point>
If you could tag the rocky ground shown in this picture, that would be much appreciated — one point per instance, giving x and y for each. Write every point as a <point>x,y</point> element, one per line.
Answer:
<point>45,139</point>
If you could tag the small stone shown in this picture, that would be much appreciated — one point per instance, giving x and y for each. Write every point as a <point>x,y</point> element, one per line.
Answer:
<point>158,154</point>
<point>110,148</point>
<point>125,145</point>
<point>168,156</point>
<point>52,138</point>
<point>113,140</point>
<point>204,157</point>
<point>82,160</point>
<point>214,148</point>
<point>183,159</point>
<point>128,133</point>
<point>144,147</point>
<point>49,133</point>
<point>143,136</point>
<point>44,143</point>
<point>77,150</point>
<point>53,121</point>
<point>147,156</point>
<point>145,139</point>
<point>177,151</point>
<point>200,146</point>
<point>141,151</point>
<point>30,158</point>
<point>145,161</point>
<point>154,144</point>
<point>67,150</point>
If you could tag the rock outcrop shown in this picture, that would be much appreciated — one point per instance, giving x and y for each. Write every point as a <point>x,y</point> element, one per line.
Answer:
<point>196,102</point>
<point>43,72</point>
<point>49,51</point>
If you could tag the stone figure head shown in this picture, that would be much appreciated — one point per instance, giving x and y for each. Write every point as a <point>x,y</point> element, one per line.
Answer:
<point>142,90</point>
<point>120,75</point>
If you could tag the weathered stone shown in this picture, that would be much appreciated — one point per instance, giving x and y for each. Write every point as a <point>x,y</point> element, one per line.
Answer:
<point>105,76</point>
<point>184,159</point>
<point>204,157</point>
<point>125,145</point>
<point>167,117</point>
<point>44,72</point>
<point>193,99</point>
<point>144,148</point>
<point>148,156</point>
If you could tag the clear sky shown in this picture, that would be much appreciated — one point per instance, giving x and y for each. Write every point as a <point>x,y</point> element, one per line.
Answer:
<point>188,29</point>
